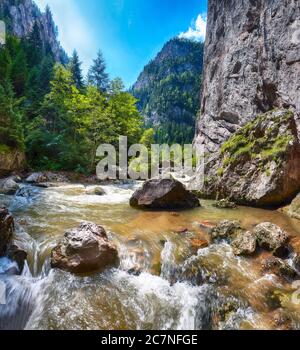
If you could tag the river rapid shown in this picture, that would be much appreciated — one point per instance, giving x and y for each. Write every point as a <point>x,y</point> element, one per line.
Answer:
<point>175,288</point>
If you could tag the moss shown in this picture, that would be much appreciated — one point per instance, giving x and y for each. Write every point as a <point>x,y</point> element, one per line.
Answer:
<point>220,172</point>
<point>4,149</point>
<point>255,141</point>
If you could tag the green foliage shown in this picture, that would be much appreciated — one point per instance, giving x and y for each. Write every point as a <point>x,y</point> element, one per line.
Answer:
<point>168,91</point>
<point>46,110</point>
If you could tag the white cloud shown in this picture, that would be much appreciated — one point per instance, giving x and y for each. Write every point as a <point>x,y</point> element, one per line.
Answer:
<point>197,30</point>
<point>74,31</point>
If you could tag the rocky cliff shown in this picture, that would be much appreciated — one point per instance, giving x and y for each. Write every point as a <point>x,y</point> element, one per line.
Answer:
<point>168,90</point>
<point>20,17</point>
<point>252,66</point>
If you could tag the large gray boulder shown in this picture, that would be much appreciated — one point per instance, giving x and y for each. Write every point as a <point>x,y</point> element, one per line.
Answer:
<point>85,249</point>
<point>165,194</point>
<point>8,186</point>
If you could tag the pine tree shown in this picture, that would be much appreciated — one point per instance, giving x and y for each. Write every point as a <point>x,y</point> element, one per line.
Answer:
<point>75,67</point>
<point>97,75</point>
<point>34,47</point>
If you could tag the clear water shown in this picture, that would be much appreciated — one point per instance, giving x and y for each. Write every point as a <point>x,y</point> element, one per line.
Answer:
<point>177,288</point>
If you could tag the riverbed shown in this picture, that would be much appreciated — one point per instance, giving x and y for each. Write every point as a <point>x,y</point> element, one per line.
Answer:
<point>162,282</point>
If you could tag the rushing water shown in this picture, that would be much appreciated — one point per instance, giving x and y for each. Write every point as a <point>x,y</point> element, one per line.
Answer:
<point>175,287</point>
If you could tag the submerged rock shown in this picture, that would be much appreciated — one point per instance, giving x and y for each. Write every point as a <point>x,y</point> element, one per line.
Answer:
<point>17,254</point>
<point>6,230</point>
<point>8,186</point>
<point>97,191</point>
<point>85,249</point>
<point>279,267</point>
<point>226,229</point>
<point>244,244</point>
<point>225,204</point>
<point>166,194</point>
<point>273,238</point>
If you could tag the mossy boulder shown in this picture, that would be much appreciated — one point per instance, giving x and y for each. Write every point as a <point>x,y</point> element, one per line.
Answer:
<point>259,164</point>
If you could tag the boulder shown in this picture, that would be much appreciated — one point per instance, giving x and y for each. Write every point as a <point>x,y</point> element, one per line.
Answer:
<point>165,194</point>
<point>36,178</point>
<point>259,164</point>
<point>85,249</point>
<point>17,254</point>
<point>279,268</point>
<point>6,230</point>
<point>293,210</point>
<point>273,238</point>
<point>244,243</point>
<point>46,177</point>
<point>197,244</point>
<point>8,186</point>
<point>226,229</point>
<point>96,191</point>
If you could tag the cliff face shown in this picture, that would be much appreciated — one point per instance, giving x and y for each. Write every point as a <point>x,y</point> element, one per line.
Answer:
<point>251,83</point>
<point>252,65</point>
<point>168,90</point>
<point>20,17</point>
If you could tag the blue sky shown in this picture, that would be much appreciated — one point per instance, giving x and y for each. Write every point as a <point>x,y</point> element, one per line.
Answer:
<point>129,32</point>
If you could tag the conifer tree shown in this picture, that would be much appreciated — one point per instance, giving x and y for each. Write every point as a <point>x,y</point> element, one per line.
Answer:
<point>75,67</point>
<point>97,75</point>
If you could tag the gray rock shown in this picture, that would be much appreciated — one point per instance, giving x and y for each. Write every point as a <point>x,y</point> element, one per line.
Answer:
<point>225,204</point>
<point>248,69</point>
<point>165,194</point>
<point>251,66</point>
<point>272,237</point>
<point>17,254</point>
<point>36,178</point>
<point>244,244</point>
<point>85,249</point>
<point>226,229</point>
<point>98,191</point>
<point>280,268</point>
<point>8,186</point>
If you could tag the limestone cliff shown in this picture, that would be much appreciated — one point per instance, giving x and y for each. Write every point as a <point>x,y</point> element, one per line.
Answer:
<point>20,17</point>
<point>252,66</point>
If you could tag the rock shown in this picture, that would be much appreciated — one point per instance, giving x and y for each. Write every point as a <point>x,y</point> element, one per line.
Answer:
<point>18,255</point>
<point>279,268</point>
<point>166,194</point>
<point>207,226</point>
<point>226,229</point>
<point>259,164</point>
<point>25,192</point>
<point>44,179</point>
<point>6,230</point>
<point>296,263</point>
<point>8,186</point>
<point>273,238</point>
<point>36,178</point>
<point>247,70</point>
<point>22,15</point>
<point>225,204</point>
<point>85,249</point>
<point>11,160</point>
<point>244,244</point>
<point>197,244</point>
<point>293,210</point>
<point>98,191</point>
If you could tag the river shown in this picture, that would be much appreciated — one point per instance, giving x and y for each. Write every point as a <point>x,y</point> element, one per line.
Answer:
<point>176,288</point>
